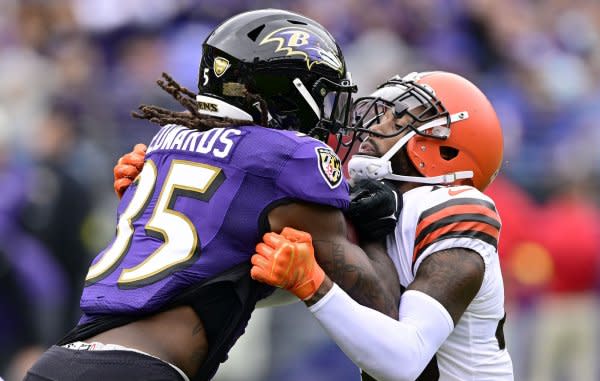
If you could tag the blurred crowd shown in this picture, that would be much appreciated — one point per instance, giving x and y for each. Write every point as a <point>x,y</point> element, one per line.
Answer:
<point>71,72</point>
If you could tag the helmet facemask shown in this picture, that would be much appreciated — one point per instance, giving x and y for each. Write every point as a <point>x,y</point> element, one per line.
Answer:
<point>421,113</point>
<point>336,106</point>
<point>407,100</point>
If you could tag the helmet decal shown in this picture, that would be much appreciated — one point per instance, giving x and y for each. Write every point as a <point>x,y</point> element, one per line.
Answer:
<point>330,166</point>
<point>300,41</point>
<point>220,66</point>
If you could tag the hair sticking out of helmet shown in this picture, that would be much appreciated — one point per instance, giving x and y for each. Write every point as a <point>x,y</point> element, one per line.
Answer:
<point>191,118</point>
<point>451,132</point>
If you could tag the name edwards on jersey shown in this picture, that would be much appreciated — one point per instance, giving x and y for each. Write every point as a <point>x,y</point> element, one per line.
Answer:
<point>217,142</point>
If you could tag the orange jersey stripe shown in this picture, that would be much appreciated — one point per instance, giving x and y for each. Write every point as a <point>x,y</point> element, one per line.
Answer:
<point>471,209</point>
<point>463,217</point>
<point>460,229</point>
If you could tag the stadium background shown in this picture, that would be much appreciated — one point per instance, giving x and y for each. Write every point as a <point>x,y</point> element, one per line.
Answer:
<point>72,70</point>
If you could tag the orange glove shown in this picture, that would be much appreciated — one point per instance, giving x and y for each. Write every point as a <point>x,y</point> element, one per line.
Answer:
<point>128,168</point>
<point>287,260</point>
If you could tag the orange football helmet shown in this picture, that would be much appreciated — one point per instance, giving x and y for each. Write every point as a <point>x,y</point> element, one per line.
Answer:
<point>453,135</point>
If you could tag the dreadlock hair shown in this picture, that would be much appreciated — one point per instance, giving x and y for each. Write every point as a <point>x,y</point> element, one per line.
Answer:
<point>192,118</point>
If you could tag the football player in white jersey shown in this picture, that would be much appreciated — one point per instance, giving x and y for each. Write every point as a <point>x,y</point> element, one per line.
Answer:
<point>436,140</point>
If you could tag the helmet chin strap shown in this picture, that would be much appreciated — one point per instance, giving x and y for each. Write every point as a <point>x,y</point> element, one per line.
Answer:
<point>369,167</point>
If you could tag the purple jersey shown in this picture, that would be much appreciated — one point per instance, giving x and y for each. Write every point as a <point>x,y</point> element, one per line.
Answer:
<point>199,207</point>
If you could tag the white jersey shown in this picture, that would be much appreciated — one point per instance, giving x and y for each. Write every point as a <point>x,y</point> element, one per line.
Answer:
<point>437,218</point>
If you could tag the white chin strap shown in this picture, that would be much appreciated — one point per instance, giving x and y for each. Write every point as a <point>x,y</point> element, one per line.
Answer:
<point>378,168</point>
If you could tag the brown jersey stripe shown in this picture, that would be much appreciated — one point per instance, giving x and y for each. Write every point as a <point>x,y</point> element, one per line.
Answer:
<point>454,210</point>
<point>457,201</point>
<point>457,234</point>
<point>459,226</point>
<point>454,229</point>
<point>425,230</point>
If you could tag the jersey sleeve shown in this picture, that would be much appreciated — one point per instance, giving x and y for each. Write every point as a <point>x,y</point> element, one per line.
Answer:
<point>470,221</point>
<point>314,173</point>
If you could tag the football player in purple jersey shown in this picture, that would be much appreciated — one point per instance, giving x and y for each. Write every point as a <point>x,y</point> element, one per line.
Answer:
<point>172,292</point>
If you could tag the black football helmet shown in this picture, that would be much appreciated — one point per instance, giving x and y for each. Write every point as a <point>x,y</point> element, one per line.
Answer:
<point>288,60</point>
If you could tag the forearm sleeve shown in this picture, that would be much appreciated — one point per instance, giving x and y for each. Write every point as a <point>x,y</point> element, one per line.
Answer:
<point>387,349</point>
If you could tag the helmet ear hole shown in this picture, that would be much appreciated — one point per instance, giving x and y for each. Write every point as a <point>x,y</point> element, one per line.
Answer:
<point>448,153</point>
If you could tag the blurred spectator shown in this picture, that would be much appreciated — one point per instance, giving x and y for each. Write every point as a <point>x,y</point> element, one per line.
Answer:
<point>565,331</point>
<point>106,15</point>
<point>32,283</point>
<point>57,204</point>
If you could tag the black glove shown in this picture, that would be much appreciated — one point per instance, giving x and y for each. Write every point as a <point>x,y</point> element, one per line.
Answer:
<point>374,209</point>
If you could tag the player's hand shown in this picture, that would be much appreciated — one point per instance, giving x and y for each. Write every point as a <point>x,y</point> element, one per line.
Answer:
<point>374,209</point>
<point>128,168</point>
<point>287,260</point>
